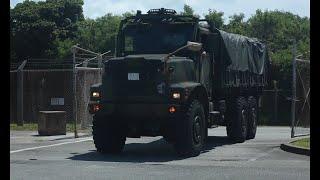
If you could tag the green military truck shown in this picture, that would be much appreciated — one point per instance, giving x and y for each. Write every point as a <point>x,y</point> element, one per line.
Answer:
<point>176,76</point>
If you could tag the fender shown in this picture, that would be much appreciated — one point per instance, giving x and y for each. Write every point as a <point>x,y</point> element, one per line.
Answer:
<point>190,91</point>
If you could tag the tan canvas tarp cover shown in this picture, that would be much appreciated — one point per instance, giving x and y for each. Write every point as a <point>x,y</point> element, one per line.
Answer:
<point>243,53</point>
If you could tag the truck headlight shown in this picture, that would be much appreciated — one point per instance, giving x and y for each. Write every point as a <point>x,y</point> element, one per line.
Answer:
<point>95,94</point>
<point>176,95</point>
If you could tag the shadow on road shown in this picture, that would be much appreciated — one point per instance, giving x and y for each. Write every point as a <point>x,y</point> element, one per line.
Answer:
<point>156,151</point>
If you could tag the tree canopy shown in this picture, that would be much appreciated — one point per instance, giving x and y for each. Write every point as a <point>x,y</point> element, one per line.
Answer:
<point>35,26</point>
<point>215,17</point>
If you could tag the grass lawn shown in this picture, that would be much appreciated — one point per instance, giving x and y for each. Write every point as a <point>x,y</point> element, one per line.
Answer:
<point>34,127</point>
<point>305,142</point>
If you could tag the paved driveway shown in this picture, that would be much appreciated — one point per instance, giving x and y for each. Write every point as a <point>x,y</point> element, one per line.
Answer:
<point>153,158</point>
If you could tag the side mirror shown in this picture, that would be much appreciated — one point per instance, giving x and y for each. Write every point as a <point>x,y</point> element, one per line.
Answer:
<point>194,46</point>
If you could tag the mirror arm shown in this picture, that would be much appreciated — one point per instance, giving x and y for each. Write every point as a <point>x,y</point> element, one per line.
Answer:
<point>166,58</point>
<point>177,50</point>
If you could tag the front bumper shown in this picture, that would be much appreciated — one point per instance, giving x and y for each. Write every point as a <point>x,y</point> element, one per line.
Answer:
<point>136,110</point>
<point>142,119</point>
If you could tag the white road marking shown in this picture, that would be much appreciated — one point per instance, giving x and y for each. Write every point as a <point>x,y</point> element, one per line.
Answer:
<point>51,145</point>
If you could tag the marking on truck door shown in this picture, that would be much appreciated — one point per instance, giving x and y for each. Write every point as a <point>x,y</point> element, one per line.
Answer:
<point>133,76</point>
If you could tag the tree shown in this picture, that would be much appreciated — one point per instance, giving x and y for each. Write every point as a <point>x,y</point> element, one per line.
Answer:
<point>36,25</point>
<point>278,29</point>
<point>215,17</point>
<point>236,24</point>
<point>100,34</point>
<point>188,11</point>
<point>128,14</point>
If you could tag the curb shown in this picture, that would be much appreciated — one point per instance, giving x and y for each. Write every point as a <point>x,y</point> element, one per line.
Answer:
<point>295,149</point>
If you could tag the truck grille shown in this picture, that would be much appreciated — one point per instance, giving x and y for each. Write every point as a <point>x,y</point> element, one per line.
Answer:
<point>118,85</point>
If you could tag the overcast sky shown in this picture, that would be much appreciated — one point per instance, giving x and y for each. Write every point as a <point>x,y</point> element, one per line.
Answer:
<point>97,8</point>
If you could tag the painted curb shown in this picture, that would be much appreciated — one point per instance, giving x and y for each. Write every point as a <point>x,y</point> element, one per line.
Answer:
<point>295,149</point>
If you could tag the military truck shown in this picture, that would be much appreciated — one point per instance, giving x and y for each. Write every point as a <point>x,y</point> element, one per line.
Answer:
<point>176,76</point>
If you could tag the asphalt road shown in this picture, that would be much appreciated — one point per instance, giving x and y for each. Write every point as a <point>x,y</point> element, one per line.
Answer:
<point>153,158</point>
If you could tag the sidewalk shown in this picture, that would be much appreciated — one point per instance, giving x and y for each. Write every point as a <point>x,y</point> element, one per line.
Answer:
<point>33,136</point>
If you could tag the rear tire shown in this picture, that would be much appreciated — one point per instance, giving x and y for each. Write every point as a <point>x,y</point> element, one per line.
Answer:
<point>236,118</point>
<point>252,117</point>
<point>190,130</point>
<point>108,135</point>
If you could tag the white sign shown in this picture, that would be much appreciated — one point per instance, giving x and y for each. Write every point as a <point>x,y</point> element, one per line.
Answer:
<point>57,101</point>
<point>133,76</point>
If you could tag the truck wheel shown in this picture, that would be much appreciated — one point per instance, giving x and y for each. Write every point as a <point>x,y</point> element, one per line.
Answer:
<point>237,119</point>
<point>191,131</point>
<point>252,117</point>
<point>108,135</point>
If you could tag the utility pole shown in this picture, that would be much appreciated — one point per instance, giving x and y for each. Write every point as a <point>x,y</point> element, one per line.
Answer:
<point>74,102</point>
<point>293,104</point>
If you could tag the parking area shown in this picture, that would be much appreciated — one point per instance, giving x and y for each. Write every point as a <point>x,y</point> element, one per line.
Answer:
<point>35,157</point>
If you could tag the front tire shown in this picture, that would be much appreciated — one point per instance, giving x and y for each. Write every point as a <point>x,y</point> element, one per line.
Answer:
<point>108,135</point>
<point>190,130</point>
<point>236,117</point>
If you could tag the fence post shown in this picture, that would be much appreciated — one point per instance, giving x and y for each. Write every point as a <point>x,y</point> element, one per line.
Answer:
<point>293,104</point>
<point>100,61</point>
<point>275,101</point>
<point>20,93</point>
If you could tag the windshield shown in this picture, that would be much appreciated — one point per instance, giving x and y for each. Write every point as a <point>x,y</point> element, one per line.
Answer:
<point>156,38</point>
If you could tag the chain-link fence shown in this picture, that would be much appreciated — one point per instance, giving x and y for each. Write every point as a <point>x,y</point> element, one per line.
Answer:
<point>276,106</point>
<point>291,104</point>
<point>301,118</point>
<point>54,85</point>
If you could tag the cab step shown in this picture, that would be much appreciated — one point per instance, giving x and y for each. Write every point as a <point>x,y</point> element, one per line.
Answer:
<point>214,113</point>
<point>214,118</point>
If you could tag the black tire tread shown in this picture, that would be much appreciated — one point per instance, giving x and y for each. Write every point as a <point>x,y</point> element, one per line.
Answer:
<point>108,137</point>
<point>251,133</point>
<point>184,143</point>
<point>234,128</point>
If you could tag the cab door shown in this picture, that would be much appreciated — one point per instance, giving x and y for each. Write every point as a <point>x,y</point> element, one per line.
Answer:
<point>206,64</point>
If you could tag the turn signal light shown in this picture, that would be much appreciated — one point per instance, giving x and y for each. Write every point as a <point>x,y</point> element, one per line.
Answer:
<point>172,109</point>
<point>96,107</point>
